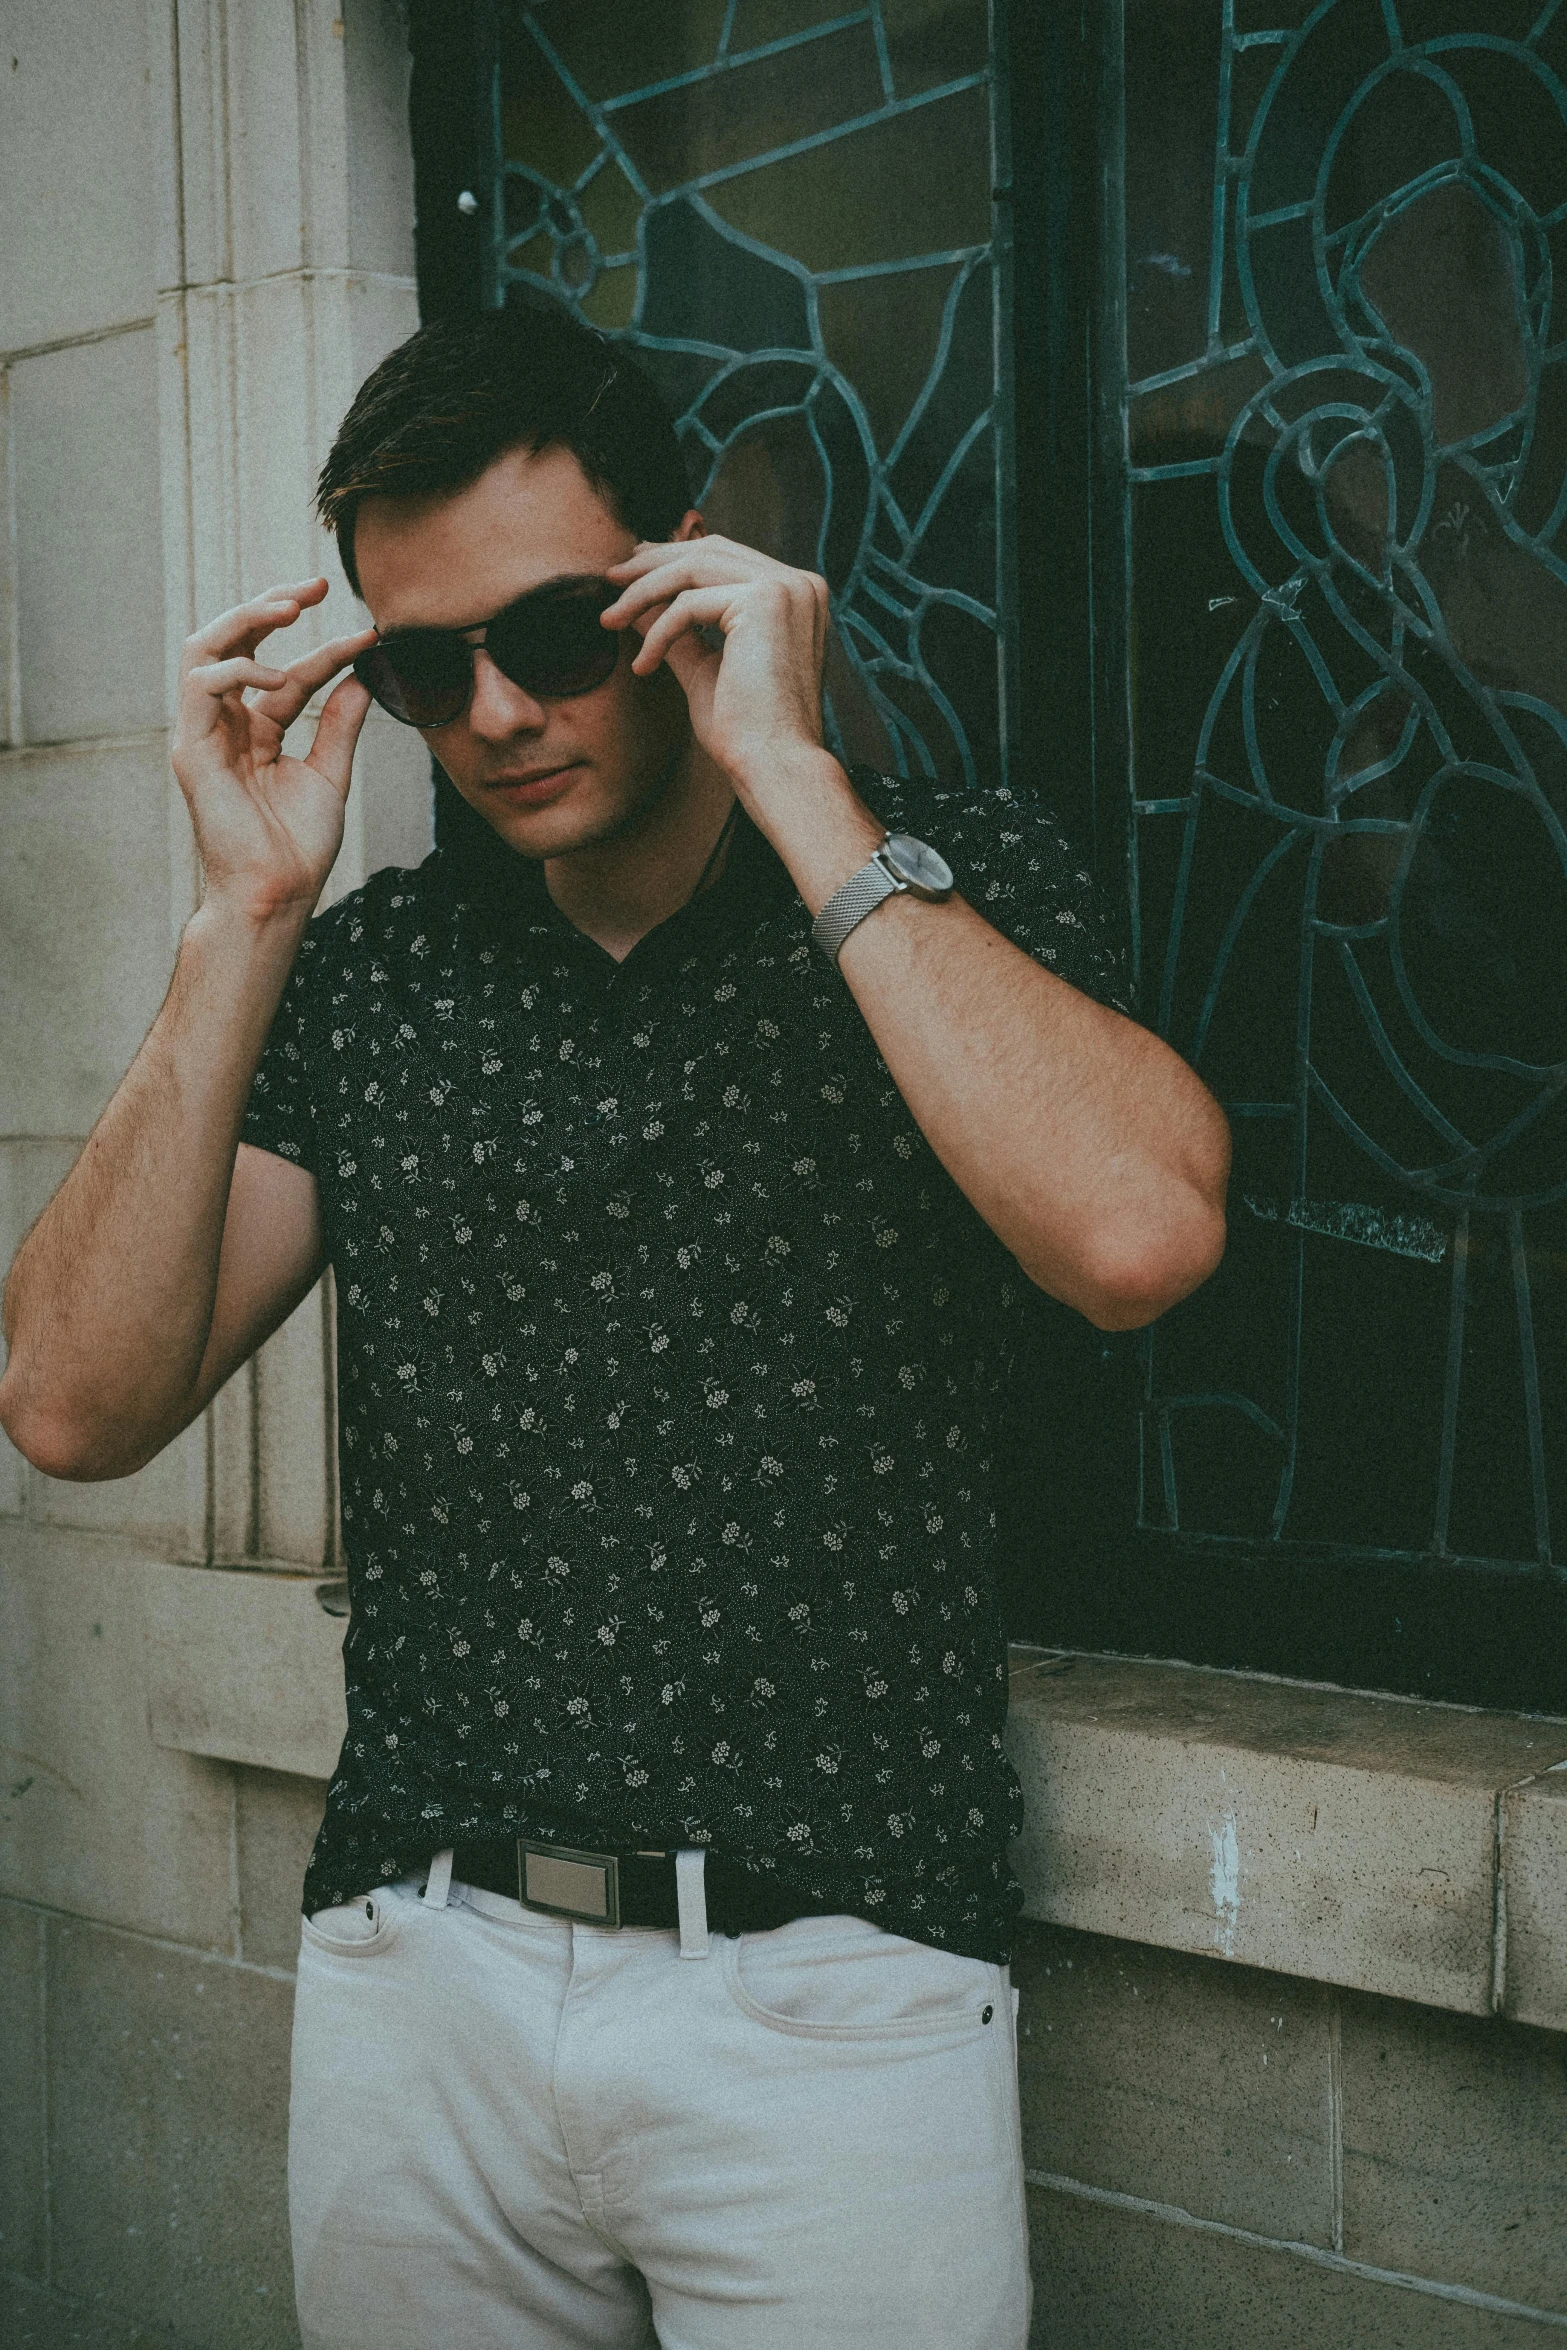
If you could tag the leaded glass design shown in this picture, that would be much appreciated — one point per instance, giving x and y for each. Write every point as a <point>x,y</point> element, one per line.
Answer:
<point>785,206</point>
<point>1347,443</point>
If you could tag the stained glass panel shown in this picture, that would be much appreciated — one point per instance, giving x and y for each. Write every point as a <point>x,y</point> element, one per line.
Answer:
<point>1347,445</point>
<point>786,208</point>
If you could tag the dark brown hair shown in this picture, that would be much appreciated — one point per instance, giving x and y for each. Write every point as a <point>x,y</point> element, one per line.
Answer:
<point>462,391</point>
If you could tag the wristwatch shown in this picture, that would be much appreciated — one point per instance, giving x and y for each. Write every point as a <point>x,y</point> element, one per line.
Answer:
<point>902,866</point>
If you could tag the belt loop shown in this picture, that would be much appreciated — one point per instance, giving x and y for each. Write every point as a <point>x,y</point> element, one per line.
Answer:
<point>439,1882</point>
<point>691,1893</point>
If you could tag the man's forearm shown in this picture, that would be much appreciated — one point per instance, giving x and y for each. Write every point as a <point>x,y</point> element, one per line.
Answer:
<point>109,1303</point>
<point>1089,1147</point>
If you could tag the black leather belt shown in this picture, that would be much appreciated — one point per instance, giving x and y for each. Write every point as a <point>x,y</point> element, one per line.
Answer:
<point>625,1888</point>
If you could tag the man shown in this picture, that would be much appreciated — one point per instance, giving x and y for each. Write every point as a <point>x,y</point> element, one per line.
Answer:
<point>679,1253</point>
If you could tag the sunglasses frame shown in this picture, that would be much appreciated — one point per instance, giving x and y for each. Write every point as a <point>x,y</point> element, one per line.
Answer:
<point>587,591</point>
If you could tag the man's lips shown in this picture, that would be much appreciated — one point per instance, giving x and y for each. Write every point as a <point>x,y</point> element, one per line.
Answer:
<point>536,783</point>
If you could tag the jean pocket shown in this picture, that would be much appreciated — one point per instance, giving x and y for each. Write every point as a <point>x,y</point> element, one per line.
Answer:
<point>850,1981</point>
<point>353,1929</point>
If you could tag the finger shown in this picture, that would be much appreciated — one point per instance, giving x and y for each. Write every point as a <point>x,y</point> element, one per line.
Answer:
<point>242,628</point>
<point>686,562</point>
<point>656,550</point>
<point>239,631</point>
<point>644,596</point>
<point>305,676</point>
<point>695,608</point>
<point>645,551</point>
<point>337,731</point>
<point>300,591</point>
<point>217,678</point>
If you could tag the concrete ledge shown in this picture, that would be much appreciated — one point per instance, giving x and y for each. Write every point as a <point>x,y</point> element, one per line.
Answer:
<point>1418,1851</point>
<point>246,1666</point>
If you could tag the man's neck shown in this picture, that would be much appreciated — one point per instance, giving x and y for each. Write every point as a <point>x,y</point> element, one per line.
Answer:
<point>615,891</point>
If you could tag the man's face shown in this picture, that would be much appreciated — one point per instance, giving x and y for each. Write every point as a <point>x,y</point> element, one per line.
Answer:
<point>551,776</point>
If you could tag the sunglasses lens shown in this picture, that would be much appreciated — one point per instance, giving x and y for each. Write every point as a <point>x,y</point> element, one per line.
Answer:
<point>549,644</point>
<point>424,680</point>
<point>553,645</point>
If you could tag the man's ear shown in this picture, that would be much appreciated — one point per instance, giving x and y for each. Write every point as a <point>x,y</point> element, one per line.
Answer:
<point>690,526</point>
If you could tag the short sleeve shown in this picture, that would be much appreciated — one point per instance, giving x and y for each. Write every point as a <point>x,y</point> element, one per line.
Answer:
<point>279,1116</point>
<point>1017,867</point>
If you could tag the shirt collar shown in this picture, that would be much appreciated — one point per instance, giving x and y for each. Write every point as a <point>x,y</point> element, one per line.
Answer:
<point>501,888</point>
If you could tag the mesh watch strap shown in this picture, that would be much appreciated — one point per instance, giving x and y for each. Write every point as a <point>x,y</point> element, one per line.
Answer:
<point>859,896</point>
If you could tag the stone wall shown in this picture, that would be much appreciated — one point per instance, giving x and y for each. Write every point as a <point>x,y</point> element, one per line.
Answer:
<point>1360,2136</point>
<point>208,208</point>
<point>1295,1979</point>
<point>1223,2159</point>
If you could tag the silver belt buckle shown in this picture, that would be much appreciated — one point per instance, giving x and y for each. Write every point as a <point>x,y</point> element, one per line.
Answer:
<point>565,1883</point>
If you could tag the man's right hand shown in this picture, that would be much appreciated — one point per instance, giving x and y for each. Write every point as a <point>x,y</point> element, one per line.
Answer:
<point>169,1253</point>
<point>267,826</point>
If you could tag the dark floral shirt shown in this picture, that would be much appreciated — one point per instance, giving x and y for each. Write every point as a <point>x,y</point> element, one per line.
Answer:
<point>671,1369</point>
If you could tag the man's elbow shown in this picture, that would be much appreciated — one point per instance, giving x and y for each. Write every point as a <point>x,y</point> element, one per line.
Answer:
<point>1132,1276</point>
<point>40,1440</point>
<point>58,1447</point>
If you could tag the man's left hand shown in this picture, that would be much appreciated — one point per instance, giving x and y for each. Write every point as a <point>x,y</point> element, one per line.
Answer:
<point>758,699</point>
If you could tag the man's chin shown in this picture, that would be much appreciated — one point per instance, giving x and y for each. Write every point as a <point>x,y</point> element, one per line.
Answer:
<point>580,814</point>
<point>552,823</point>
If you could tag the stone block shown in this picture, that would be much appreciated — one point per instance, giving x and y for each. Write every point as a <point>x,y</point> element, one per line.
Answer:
<point>377,66</point>
<point>24,2224</point>
<point>290,422</point>
<point>95,1817</point>
<point>168,2079</point>
<point>284,357</point>
<point>84,926</point>
<point>1111,2279</point>
<point>247,1666</point>
<point>232,1477</point>
<point>254,224</point>
<point>89,540</point>
<point>381,314</point>
<point>1455,2149</point>
<point>1303,1830</point>
<point>74,171</point>
<point>293,1494</point>
<point>1161,2076</point>
<point>1534,1875</point>
<point>257,431</point>
<point>258,436</point>
<point>277,1821</point>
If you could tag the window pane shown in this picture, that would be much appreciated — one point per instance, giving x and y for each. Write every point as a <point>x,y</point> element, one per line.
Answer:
<point>790,217</point>
<point>1348,440</point>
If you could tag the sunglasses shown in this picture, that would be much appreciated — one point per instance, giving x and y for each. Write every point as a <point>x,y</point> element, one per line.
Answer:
<point>549,642</point>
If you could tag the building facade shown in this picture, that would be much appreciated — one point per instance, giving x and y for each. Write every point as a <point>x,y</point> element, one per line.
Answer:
<point>1169,394</point>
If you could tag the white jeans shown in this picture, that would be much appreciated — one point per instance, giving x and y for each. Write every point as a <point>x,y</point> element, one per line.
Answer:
<point>509,2132</point>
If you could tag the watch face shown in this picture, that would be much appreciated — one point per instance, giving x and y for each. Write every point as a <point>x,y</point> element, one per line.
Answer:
<point>917,865</point>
